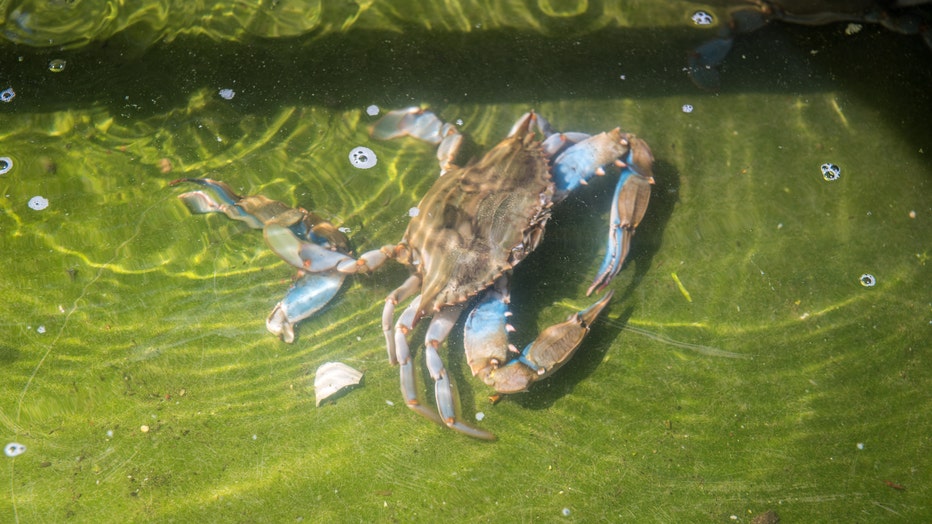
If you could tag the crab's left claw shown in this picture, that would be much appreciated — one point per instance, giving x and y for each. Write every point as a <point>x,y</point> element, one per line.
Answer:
<point>629,204</point>
<point>307,296</point>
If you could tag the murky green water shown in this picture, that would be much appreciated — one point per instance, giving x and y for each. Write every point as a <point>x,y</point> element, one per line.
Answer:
<point>136,369</point>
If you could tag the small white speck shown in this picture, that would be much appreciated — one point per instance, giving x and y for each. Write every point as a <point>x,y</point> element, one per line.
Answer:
<point>109,433</point>
<point>459,121</point>
<point>566,512</point>
<point>358,339</point>
<point>227,94</point>
<point>868,280</point>
<point>413,212</point>
<point>255,437</point>
<point>860,445</point>
<point>687,108</point>
<point>733,517</point>
<point>372,110</point>
<point>389,402</point>
<point>40,329</point>
<point>622,77</point>
<point>344,229</point>
<point>480,415</point>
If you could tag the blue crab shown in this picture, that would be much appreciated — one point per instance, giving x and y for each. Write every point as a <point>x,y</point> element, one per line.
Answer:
<point>475,224</point>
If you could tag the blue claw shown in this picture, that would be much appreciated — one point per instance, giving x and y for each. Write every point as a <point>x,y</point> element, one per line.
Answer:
<point>632,193</point>
<point>298,236</point>
<point>581,161</point>
<point>307,296</point>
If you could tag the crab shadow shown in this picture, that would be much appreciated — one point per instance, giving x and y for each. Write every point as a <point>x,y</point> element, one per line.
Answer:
<point>565,261</point>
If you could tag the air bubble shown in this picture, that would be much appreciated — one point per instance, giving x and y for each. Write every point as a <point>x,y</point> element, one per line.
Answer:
<point>868,280</point>
<point>226,94</point>
<point>362,157</point>
<point>57,65</point>
<point>830,172</point>
<point>7,95</point>
<point>14,449</point>
<point>687,108</point>
<point>38,203</point>
<point>6,164</point>
<point>702,18</point>
<point>372,110</point>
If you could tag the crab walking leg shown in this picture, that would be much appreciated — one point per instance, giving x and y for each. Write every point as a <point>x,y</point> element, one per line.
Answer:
<point>437,332</point>
<point>410,287</point>
<point>403,327</point>
<point>632,194</point>
<point>423,125</point>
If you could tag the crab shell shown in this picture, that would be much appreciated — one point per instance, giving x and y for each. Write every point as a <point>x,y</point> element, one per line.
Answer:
<point>477,222</point>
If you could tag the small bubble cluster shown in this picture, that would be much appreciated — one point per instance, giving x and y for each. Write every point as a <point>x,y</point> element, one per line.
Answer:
<point>38,203</point>
<point>14,449</point>
<point>687,108</point>
<point>830,172</point>
<point>226,94</point>
<point>6,164</point>
<point>702,18</point>
<point>362,157</point>
<point>868,280</point>
<point>7,95</point>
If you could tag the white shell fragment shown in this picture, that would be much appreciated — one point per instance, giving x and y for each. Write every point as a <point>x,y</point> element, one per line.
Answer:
<point>332,377</point>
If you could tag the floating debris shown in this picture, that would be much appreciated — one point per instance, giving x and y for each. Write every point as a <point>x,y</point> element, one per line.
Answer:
<point>702,18</point>
<point>6,164</point>
<point>830,172</point>
<point>38,203</point>
<point>227,94</point>
<point>333,377</point>
<point>57,65</point>
<point>362,157</point>
<point>14,449</point>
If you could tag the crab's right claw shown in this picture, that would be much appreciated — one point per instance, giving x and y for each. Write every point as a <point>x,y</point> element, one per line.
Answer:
<point>632,194</point>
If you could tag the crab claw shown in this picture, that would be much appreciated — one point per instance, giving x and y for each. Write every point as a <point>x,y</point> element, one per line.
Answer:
<point>632,194</point>
<point>307,296</point>
<point>486,346</point>
<point>583,160</point>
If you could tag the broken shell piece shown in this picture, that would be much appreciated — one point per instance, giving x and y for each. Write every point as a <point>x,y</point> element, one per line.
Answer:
<point>332,377</point>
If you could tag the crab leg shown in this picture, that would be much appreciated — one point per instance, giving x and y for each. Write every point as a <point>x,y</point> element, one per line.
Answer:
<point>410,287</point>
<point>437,332</point>
<point>632,193</point>
<point>423,125</point>
<point>403,327</point>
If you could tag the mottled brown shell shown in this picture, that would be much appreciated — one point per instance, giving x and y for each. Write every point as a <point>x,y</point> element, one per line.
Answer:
<point>478,221</point>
